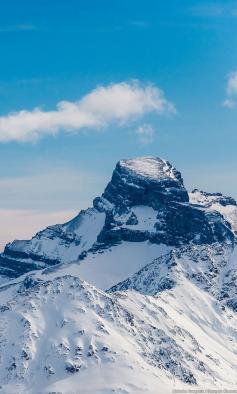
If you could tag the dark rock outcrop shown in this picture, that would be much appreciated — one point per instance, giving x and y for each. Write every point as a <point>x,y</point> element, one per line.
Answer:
<point>155,183</point>
<point>147,181</point>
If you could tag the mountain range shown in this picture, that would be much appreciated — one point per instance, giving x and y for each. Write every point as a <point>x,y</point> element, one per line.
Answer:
<point>137,294</point>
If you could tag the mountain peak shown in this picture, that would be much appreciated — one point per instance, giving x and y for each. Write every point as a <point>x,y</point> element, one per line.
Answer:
<point>151,271</point>
<point>150,167</point>
<point>145,201</point>
<point>149,181</point>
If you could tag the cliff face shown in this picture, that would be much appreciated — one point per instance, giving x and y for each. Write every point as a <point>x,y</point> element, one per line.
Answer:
<point>145,181</point>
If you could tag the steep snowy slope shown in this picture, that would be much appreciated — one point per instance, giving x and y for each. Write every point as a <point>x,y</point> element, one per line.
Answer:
<point>58,332</point>
<point>135,295</point>
<point>103,268</point>
<point>55,244</point>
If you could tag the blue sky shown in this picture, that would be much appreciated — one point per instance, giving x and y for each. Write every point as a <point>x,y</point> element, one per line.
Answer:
<point>53,51</point>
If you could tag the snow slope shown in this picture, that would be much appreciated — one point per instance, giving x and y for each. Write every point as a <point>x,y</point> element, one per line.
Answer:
<point>58,331</point>
<point>55,244</point>
<point>135,295</point>
<point>104,268</point>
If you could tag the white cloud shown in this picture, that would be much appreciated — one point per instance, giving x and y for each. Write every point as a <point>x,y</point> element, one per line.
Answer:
<point>231,91</point>
<point>145,134</point>
<point>232,84</point>
<point>121,102</point>
<point>229,103</point>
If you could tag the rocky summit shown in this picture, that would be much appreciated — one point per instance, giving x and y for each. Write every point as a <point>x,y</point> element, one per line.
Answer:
<point>145,181</point>
<point>137,294</point>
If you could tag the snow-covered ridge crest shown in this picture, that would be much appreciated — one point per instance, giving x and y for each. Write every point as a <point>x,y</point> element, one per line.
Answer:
<point>151,167</point>
<point>226,206</point>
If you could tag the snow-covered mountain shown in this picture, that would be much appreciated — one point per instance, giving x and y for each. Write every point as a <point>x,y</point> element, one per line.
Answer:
<point>144,201</point>
<point>135,295</point>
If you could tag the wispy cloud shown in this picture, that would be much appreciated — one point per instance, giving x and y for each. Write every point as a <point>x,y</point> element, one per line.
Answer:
<point>121,103</point>
<point>231,91</point>
<point>17,28</point>
<point>145,134</point>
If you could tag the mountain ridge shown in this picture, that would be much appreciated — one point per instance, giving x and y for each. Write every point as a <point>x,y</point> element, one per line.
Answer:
<point>114,219</point>
<point>134,295</point>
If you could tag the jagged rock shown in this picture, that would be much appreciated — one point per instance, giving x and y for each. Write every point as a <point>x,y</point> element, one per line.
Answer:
<point>207,199</point>
<point>72,367</point>
<point>145,181</point>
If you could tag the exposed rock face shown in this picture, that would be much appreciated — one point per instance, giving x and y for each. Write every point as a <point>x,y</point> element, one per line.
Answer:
<point>174,225</point>
<point>147,181</point>
<point>145,201</point>
<point>207,199</point>
<point>226,206</point>
<point>153,182</point>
